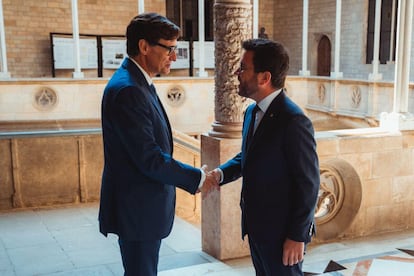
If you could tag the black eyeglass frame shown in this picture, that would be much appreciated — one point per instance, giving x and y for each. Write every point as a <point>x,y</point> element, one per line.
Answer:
<point>170,49</point>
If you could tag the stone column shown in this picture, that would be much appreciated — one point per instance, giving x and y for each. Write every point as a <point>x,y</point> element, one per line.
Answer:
<point>220,219</point>
<point>305,71</point>
<point>232,25</point>
<point>336,73</point>
<point>201,38</point>
<point>391,59</point>
<point>4,74</point>
<point>401,118</point>
<point>375,75</point>
<point>76,43</point>
<point>141,7</point>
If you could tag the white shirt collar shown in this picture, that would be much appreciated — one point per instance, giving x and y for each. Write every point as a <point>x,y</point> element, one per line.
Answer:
<point>265,103</point>
<point>147,77</point>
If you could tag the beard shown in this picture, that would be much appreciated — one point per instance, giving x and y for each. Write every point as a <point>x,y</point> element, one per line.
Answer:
<point>247,90</point>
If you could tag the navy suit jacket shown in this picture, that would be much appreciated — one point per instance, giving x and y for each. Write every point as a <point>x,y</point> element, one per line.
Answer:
<point>139,176</point>
<point>280,173</point>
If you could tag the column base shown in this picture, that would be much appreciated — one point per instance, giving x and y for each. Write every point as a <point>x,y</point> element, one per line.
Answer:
<point>78,75</point>
<point>337,75</point>
<point>375,77</point>
<point>202,73</point>
<point>226,130</point>
<point>220,210</point>
<point>397,121</point>
<point>5,75</point>
<point>304,73</point>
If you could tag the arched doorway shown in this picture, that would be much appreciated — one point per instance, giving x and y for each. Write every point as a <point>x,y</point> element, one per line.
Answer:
<point>324,56</point>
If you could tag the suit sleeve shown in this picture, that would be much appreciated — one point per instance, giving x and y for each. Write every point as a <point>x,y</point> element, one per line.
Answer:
<point>231,169</point>
<point>143,139</point>
<point>304,170</point>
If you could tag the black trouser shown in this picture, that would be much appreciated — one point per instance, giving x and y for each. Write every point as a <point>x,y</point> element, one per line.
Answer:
<point>267,260</point>
<point>140,258</point>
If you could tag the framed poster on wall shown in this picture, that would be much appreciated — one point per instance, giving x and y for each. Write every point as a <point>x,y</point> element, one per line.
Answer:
<point>63,53</point>
<point>113,52</point>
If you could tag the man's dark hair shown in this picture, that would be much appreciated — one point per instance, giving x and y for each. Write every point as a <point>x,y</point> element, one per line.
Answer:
<point>269,56</point>
<point>149,26</point>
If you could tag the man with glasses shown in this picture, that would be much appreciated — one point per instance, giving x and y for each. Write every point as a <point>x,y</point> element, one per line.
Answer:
<point>278,163</point>
<point>140,176</point>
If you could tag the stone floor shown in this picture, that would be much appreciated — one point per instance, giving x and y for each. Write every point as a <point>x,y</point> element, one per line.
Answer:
<point>65,241</point>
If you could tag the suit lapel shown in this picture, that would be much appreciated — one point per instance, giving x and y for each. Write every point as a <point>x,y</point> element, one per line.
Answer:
<point>267,121</point>
<point>152,94</point>
<point>247,123</point>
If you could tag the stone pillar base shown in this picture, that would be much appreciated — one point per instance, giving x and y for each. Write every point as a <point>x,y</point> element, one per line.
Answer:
<point>220,211</point>
<point>5,75</point>
<point>397,121</point>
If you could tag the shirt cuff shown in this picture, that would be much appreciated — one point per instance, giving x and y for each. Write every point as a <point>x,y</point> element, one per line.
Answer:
<point>203,178</point>
<point>221,175</point>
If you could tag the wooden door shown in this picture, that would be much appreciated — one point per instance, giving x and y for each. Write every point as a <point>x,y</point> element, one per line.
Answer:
<point>324,57</point>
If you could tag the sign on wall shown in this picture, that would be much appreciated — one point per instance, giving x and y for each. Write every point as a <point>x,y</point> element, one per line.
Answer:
<point>63,53</point>
<point>208,54</point>
<point>107,52</point>
<point>113,52</point>
<point>183,56</point>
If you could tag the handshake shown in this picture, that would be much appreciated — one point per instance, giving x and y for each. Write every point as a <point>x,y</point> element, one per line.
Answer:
<point>212,181</point>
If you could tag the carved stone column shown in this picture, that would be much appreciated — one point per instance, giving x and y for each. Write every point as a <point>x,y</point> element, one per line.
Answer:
<point>221,218</point>
<point>232,25</point>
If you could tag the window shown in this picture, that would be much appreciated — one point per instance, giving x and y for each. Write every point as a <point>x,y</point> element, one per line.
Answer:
<point>386,29</point>
<point>184,13</point>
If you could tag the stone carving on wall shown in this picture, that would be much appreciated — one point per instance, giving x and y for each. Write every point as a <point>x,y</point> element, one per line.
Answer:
<point>339,198</point>
<point>331,195</point>
<point>356,96</point>
<point>321,93</point>
<point>45,99</point>
<point>175,95</point>
<point>232,26</point>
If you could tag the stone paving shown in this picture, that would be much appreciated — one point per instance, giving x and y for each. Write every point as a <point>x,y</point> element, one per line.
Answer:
<point>65,240</point>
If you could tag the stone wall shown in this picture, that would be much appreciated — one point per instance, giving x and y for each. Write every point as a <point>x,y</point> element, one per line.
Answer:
<point>373,171</point>
<point>68,103</point>
<point>54,167</point>
<point>322,21</point>
<point>29,22</point>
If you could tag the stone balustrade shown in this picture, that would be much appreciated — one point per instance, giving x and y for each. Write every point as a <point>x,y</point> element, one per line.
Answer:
<point>51,150</point>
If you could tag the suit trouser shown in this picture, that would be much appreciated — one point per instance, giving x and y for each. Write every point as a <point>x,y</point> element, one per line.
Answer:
<point>140,258</point>
<point>267,260</point>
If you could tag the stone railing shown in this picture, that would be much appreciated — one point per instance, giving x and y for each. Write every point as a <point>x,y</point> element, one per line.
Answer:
<point>48,167</point>
<point>367,188</point>
<point>367,182</point>
<point>189,102</point>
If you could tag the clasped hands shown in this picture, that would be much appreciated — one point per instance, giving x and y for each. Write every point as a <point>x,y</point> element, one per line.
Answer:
<point>211,183</point>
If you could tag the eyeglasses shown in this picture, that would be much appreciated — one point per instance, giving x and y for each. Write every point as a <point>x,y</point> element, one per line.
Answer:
<point>171,49</point>
<point>241,69</point>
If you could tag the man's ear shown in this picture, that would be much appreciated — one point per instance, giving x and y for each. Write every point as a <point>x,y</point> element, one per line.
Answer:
<point>143,46</point>
<point>265,77</point>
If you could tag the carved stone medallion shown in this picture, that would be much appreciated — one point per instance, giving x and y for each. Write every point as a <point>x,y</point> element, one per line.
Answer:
<point>175,95</point>
<point>45,99</point>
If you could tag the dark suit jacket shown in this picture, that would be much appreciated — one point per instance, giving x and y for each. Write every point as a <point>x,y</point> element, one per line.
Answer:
<point>280,174</point>
<point>140,176</point>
